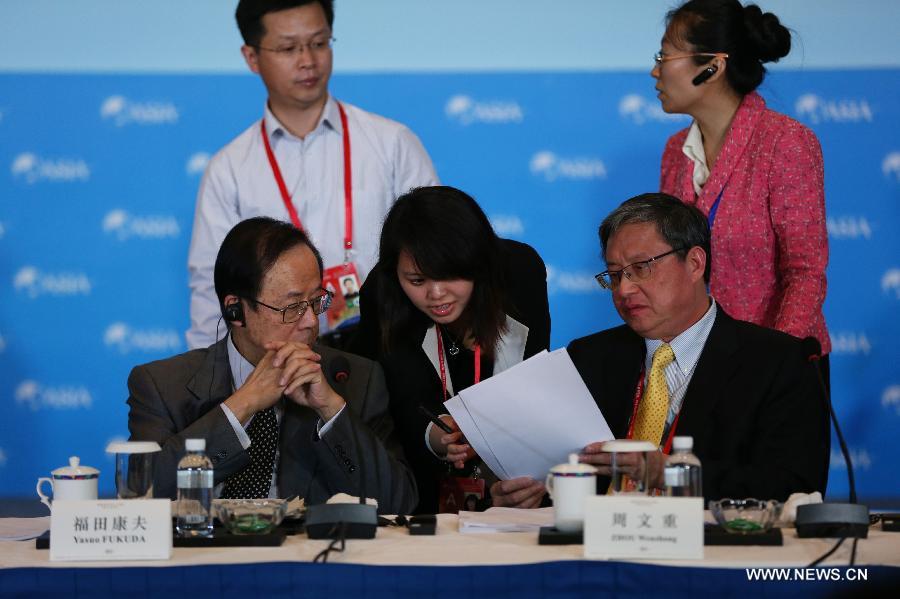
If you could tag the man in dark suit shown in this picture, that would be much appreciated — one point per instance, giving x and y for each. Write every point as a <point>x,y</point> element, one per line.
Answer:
<point>680,365</point>
<point>280,416</point>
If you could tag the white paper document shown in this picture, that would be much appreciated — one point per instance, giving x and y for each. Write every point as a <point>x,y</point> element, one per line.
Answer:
<point>505,519</point>
<point>23,529</point>
<point>529,418</point>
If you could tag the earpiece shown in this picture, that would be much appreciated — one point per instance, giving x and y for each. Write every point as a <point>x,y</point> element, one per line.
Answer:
<point>705,74</point>
<point>235,313</point>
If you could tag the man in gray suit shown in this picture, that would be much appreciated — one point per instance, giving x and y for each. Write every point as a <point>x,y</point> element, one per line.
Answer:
<point>280,415</point>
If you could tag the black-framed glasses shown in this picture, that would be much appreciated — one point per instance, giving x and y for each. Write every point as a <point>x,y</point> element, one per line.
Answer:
<point>294,312</point>
<point>636,271</point>
<point>296,49</point>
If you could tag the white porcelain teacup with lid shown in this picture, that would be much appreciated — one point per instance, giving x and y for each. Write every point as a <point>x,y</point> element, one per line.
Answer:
<point>569,485</point>
<point>70,482</point>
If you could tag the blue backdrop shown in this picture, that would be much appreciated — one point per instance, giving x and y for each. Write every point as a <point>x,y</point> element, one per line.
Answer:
<point>100,174</point>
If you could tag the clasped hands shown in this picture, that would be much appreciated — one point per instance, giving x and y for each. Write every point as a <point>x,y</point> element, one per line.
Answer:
<point>291,369</point>
<point>525,492</point>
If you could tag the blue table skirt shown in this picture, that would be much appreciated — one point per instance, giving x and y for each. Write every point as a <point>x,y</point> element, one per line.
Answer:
<point>548,579</point>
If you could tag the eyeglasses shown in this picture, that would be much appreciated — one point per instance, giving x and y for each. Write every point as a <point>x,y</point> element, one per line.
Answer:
<point>636,271</point>
<point>660,58</point>
<point>295,312</point>
<point>316,47</point>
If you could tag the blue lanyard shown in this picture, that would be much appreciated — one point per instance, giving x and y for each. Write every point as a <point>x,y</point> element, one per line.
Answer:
<point>715,208</point>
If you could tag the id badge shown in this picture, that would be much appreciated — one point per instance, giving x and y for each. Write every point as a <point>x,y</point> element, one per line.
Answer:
<point>343,281</point>
<point>460,493</point>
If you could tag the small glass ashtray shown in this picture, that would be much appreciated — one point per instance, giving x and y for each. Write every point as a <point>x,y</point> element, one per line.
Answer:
<point>745,516</point>
<point>250,516</point>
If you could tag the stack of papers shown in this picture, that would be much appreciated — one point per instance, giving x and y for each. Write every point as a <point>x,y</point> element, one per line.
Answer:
<point>23,529</point>
<point>525,420</point>
<point>505,519</point>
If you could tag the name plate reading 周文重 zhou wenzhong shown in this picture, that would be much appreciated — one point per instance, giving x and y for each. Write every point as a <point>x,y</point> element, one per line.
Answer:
<point>111,530</point>
<point>641,527</point>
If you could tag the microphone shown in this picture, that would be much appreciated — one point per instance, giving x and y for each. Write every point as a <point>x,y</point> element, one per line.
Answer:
<point>343,520</point>
<point>831,519</point>
<point>811,348</point>
<point>339,368</point>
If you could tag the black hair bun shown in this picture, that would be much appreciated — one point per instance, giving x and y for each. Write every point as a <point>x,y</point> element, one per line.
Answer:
<point>766,36</point>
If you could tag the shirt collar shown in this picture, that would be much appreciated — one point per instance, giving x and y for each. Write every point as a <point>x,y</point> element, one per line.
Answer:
<point>240,367</point>
<point>693,149</point>
<point>688,346</point>
<point>331,119</point>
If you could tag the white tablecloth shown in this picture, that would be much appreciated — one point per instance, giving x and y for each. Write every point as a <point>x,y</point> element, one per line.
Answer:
<point>394,546</point>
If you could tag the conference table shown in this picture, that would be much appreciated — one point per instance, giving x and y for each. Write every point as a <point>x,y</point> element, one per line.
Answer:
<point>453,564</point>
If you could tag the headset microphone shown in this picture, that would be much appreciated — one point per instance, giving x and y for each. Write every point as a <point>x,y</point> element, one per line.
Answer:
<point>234,313</point>
<point>705,74</point>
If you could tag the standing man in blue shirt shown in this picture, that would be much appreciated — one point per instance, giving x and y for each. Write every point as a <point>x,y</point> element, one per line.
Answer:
<point>329,167</point>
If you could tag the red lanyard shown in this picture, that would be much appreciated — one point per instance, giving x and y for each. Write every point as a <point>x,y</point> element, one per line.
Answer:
<point>348,183</point>
<point>440,348</point>
<point>637,401</point>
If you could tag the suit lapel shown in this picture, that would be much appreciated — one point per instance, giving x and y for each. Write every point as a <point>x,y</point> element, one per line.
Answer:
<point>212,381</point>
<point>610,371</point>
<point>511,346</point>
<point>430,347</point>
<point>715,368</point>
<point>628,359</point>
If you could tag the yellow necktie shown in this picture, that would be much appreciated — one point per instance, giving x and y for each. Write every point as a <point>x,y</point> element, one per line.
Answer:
<point>654,407</point>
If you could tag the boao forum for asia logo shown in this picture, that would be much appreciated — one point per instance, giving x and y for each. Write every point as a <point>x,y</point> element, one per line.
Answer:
<point>575,283</point>
<point>641,110</point>
<point>551,167</point>
<point>890,398</point>
<point>33,283</point>
<point>32,168</point>
<point>850,343</point>
<point>816,109</point>
<point>196,163</point>
<point>124,111</point>
<point>890,166</point>
<point>466,110</point>
<point>34,395</point>
<point>127,339</point>
<point>124,226</point>
<point>507,224</point>
<point>890,281</point>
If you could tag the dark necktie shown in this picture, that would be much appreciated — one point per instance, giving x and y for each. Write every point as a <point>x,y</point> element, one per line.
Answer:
<point>254,480</point>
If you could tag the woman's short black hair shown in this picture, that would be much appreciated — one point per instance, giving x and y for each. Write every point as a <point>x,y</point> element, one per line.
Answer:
<point>749,36</point>
<point>448,236</point>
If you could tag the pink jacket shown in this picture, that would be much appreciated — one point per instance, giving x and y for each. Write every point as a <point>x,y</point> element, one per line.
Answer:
<point>769,241</point>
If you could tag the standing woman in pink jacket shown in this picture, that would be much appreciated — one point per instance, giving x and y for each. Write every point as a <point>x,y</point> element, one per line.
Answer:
<point>757,174</point>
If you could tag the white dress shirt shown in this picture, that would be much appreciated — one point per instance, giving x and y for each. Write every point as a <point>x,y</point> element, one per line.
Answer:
<point>387,160</point>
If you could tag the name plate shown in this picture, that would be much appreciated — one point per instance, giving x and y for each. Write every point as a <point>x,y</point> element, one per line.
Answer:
<point>111,530</point>
<point>641,527</point>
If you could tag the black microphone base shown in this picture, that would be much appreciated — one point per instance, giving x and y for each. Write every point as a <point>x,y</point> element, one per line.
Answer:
<point>327,520</point>
<point>832,520</point>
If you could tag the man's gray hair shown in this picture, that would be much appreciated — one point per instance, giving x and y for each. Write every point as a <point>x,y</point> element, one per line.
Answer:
<point>680,225</point>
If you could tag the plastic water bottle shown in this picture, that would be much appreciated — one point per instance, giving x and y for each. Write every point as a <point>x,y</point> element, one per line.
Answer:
<point>682,471</point>
<point>195,486</point>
